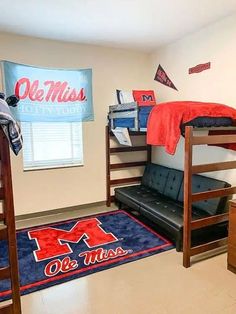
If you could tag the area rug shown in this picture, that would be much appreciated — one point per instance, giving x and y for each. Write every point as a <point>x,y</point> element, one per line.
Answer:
<point>55,253</point>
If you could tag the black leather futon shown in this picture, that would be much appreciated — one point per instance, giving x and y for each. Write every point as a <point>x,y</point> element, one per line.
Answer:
<point>159,198</point>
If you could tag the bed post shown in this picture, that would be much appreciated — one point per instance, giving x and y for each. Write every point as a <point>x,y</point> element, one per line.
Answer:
<point>8,230</point>
<point>187,195</point>
<point>108,170</point>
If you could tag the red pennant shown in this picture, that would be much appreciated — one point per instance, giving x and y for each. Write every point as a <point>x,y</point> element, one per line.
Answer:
<point>163,78</point>
<point>199,68</point>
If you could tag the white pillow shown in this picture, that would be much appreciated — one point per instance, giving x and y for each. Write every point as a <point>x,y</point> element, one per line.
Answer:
<point>124,97</point>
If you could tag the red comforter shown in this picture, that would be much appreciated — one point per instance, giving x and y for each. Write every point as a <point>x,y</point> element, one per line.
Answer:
<point>164,121</point>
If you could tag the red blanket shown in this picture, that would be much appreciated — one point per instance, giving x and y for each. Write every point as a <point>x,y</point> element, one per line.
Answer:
<point>165,119</point>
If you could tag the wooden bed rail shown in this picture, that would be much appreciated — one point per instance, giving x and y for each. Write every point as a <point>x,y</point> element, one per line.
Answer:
<point>7,229</point>
<point>189,197</point>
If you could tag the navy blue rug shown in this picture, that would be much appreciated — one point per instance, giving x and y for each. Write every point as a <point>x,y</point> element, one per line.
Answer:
<point>59,252</point>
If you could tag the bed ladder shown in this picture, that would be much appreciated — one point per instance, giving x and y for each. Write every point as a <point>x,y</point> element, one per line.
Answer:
<point>189,197</point>
<point>119,166</point>
<point>7,229</point>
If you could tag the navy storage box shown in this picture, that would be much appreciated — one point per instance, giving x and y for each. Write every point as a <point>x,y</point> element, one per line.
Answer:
<point>129,115</point>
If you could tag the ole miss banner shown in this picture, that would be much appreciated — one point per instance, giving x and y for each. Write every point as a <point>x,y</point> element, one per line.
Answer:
<point>49,95</point>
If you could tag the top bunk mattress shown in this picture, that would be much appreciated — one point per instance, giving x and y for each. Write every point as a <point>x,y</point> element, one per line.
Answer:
<point>166,120</point>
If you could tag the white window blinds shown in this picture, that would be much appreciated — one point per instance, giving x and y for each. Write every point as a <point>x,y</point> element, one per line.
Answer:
<point>52,144</point>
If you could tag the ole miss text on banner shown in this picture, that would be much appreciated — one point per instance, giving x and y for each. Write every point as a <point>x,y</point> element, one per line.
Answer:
<point>49,95</point>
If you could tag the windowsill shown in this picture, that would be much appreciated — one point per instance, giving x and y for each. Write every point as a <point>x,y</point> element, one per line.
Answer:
<point>52,167</point>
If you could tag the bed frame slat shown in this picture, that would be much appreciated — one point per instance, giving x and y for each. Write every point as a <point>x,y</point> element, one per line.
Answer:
<point>213,194</point>
<point>4,274</point>
<point>204,222</point>
<point>3,232</point>
<point>208,246</point>
<point>214,139</point>
<point>226,165</point>
<point>125,180</point>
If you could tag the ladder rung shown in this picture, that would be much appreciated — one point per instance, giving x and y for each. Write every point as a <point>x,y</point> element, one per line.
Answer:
<point>213,194</point>
<point>3,232</point>
<point>208,221</point>
<point>128,164</point>
<point>133,133</point>
<point>7,309</point>
<point>127,149</point>
<point>2,196</point>
<point>225,165</point>
<point>4,273</point>
<point>214,139</point>
<point>125,180</point>
<point>208,246</point>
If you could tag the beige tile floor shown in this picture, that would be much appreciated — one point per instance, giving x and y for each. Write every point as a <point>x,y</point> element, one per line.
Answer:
<point>153,285</point>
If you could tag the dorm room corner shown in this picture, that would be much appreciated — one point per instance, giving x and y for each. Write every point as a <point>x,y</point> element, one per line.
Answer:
<point>117,157</point>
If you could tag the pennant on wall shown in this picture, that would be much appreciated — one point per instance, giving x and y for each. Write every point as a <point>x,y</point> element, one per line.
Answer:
<point>49,95</point>
<point>163,78</point>
<point>199,68</point>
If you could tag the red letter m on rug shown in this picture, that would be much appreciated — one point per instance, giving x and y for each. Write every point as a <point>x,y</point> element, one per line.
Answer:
<point>49,239</point>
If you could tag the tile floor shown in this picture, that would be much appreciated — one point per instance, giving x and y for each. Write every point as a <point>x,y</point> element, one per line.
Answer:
<point>153,285</point>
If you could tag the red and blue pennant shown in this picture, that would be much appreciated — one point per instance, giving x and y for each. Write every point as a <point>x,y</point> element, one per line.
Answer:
<point>59,252</point>
<point>49,95</point>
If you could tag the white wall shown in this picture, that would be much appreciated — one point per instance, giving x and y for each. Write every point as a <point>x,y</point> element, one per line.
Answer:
<point>36,191</point>
<point>215,44</point>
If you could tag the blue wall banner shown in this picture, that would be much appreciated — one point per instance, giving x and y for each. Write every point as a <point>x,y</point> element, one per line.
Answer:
<point>49,95</point>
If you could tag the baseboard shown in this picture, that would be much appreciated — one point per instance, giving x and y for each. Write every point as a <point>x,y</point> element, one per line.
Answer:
<point>59,210</point>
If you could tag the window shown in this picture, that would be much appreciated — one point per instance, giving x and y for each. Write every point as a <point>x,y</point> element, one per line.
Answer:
<point>52,144</point>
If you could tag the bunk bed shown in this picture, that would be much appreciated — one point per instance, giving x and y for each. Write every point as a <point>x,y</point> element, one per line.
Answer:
<point>189,197</point>
<point>7,228</point>
<point>9,135</point>
<point>220,118</point>
<point>178,113</point>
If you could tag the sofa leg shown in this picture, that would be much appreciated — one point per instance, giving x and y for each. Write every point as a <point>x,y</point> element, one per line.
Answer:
<point>178,242</point>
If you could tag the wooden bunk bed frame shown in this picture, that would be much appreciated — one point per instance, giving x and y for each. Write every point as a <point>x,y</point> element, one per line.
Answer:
<point>7,228</point>
<point>189,197</point>
<point>118,166</point>
<point>189,170</point>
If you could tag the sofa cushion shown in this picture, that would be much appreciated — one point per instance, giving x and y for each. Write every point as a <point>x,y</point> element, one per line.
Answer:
<point>133,195</point>
<point>170,213</point>
<point>155,177</point>
<point>173,184</point>
<point>202,184</point>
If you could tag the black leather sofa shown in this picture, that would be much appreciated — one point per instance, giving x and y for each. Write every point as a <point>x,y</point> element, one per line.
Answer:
<point>159,198</point>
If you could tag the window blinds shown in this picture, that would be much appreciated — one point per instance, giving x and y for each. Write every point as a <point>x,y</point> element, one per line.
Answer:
<point>54,144</point>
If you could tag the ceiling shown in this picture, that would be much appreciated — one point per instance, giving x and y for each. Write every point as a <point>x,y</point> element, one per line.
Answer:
<point>136,24</point>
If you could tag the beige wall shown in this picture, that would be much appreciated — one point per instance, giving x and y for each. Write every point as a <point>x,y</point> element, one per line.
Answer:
<point>36,191</point>
<point>114,68</point>
<point>216,44</point>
